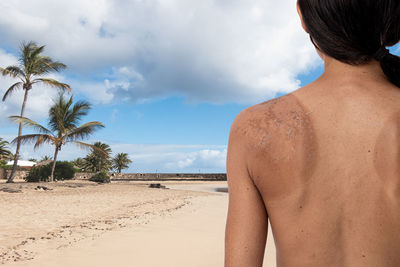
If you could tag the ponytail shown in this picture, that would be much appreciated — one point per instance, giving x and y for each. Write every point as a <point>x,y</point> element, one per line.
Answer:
<point>391,67</point>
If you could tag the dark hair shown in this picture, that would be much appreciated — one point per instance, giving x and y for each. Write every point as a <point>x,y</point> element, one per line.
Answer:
<point>355,31</point>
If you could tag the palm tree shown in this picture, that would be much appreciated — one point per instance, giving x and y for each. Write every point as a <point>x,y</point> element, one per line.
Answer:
<point>79,163</point>
<point>4,152</point>
<point>98,161</point>
<point>30,70</point>
<point>11,156</point>
<point>45,158</point>
<point>104,159</point>
<point>121,161</point>
<point>90,163</point>
<point>63,120</point>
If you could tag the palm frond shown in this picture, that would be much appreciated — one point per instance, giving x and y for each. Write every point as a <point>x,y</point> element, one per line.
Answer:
<point>44,64</point>
<point>4,152</point>
<point>36,51</point>
<point>13,71</point>
<point>30,123</point>
<point>53,83</point>
<point>10,90</point>
<point>57,66</point>
<point>26,51</point>
<point>37,138</point>
<point>34,64</point>
<point>51,65</point>
<point>58,112</point>
<point>90,147</point>
<point>3,143</point>
<point>83,131</point>
<point>44,138</point>
<point>75,114</point>
<point>103,146</point>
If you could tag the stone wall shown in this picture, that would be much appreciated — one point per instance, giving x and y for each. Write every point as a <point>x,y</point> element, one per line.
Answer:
<point>160,176</point>
<point>83,175</point>
<point>4,174</point>
<point>135,176</point>
<point>171,176</point>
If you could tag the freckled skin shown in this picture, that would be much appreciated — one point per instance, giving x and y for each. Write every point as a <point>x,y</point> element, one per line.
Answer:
<point>323,166</point>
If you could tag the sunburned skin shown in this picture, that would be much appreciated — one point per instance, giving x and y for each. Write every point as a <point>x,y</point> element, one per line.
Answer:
<point>323,165</point>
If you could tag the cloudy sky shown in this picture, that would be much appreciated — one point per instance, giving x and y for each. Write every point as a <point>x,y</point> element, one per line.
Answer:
<point>167,77</point>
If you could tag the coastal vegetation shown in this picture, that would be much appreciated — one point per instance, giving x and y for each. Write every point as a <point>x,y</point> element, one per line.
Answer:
<point>64,117</point>
<point>62,128</point>
<point>100,177</point>
<point>121,161</point>
<point>5,153</point>
<point>99,162</point>
<point>32,69</point>
<point>96,161</point>
<point>64,170</point>
<point>12,156</point>
<point>45,158</point>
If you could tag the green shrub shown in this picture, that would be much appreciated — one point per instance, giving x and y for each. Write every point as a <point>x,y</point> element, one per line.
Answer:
<point>64,171</point>
<point>100,177</point>
<point>3,165</point>
<point>38,174</point>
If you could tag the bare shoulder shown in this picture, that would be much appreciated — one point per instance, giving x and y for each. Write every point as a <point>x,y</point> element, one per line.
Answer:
<point>279,119</point>
<point>275,133</point>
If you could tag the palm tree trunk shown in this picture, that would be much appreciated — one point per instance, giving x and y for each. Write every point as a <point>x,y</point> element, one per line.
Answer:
<point>53,167</point>
<point>14,168</point>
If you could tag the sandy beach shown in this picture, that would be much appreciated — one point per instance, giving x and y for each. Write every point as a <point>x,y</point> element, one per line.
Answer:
<point>119,224</point>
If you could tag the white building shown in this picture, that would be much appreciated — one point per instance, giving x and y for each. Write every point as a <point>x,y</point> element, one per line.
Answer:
<point>22,163</point>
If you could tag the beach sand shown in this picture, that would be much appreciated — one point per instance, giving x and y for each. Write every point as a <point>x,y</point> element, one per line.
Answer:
<point>120,224</point>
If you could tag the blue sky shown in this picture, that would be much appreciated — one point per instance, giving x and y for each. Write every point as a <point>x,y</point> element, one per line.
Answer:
<point>166,77</point>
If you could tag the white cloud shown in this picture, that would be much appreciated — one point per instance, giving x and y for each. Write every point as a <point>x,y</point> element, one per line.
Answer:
<point>209,50</point>
<point>98,92</point>
<point>203,159</point>
<point>174,158</point>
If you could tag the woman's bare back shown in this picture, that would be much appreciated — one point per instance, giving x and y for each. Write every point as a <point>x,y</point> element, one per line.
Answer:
<point>325,160</point>
<point>323,164</point>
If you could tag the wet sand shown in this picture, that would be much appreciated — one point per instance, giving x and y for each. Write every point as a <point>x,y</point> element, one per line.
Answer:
<point>123,224</point>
